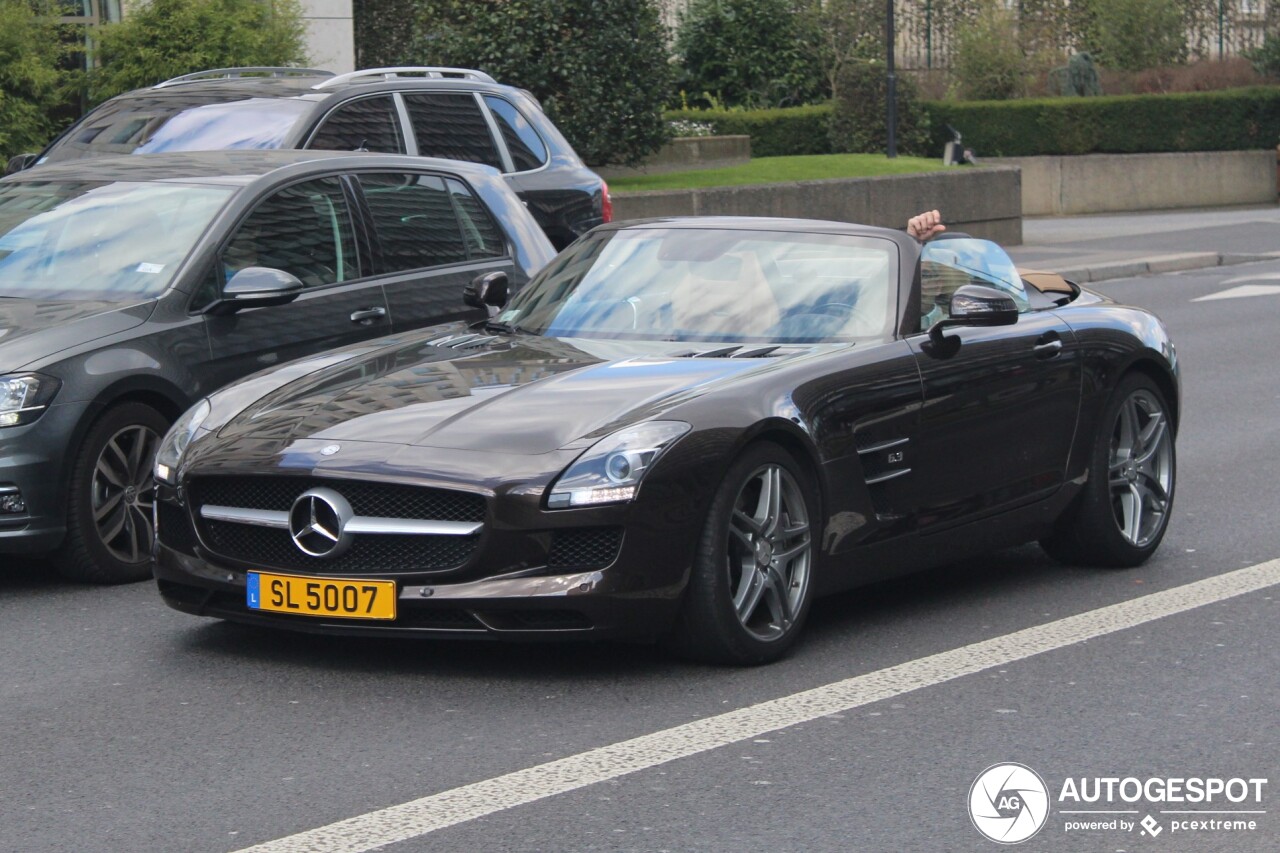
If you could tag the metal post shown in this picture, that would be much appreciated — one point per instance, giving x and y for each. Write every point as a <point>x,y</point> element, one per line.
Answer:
<point>1221,15</point>
<point>928,33</point>
<point>891,99</point>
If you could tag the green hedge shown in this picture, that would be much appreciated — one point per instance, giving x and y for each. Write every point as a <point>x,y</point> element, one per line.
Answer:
<point>1227,120</point>
<point>774,133</point>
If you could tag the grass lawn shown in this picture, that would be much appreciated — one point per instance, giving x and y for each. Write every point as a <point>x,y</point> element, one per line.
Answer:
<point>781,170</point>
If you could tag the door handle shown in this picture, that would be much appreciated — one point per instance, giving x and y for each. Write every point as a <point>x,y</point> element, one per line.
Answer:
<point>368,316</point>
<point>1049,346</point>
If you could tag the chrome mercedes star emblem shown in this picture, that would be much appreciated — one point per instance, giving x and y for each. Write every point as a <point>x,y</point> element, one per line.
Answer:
<point>318,522</point>
<point>330,449</point>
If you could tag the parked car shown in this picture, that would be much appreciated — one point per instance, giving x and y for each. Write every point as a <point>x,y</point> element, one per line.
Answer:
<point>460,114</point>
<point>131,287</point>
<point>680,430</point>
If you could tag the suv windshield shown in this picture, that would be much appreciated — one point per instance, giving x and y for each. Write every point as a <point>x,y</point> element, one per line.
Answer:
<point>150,125</point>
<point>714,285</point>
<point>95,240</point>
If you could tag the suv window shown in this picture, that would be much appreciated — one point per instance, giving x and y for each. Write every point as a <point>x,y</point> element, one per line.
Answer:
<point>426,221</point>
<point>527,149</point>
<point>450,125</point>
<point>304,229</point>
<point>367,124</point>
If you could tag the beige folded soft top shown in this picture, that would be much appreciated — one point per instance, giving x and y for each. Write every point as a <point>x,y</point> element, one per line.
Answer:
<point>1046,282</point>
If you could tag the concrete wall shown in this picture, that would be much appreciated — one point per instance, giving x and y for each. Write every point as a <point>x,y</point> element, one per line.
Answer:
<point>1101,183</point>
<point>688,153</point>
<point>331,40</point>
<point>984,202</point>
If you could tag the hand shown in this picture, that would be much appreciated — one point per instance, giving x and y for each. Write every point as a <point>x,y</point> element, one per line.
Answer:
<point>926,226</point>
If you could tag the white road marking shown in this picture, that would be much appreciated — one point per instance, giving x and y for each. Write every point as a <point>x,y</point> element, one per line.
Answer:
<point>1242,290</point>
<point>448,808</point>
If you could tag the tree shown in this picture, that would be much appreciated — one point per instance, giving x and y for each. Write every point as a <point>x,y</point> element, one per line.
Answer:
<point>748,53</point>
<point>989,64</point>
<point>160,39</point>
<point>30,83</point>
<point>1131,35</point>
<point>599,67</point>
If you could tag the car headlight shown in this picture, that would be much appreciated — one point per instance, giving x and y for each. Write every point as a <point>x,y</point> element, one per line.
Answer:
<point>611,470</point>
<point>176,441</point>
<point>24,398</point>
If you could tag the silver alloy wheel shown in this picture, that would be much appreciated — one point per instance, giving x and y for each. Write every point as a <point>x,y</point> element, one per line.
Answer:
<point>769,552</point>
<point>1140,469</point>
<point>123,493</point>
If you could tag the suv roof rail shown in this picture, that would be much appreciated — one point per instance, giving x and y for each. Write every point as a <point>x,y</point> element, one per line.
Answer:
<point>231,73</point>
<point>399,71</point>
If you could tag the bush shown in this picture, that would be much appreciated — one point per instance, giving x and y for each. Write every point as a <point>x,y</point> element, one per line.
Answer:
<point>989,64</point>
<point>1135,34</point>
<point>382,38</point>
<point>599,67</point>
<point>774,133</point>
<point>160,39</point>
<point>746,53</point>
<point>1266,57</point>
<point>858,122</point>
<point>29,77</point>
<point>1233,119</point>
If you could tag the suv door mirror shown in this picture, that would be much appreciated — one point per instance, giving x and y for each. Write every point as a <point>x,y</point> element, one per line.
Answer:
<point>489,290</point>
<point>253,287</point>
<point>977,305</point>
<point>20,163</point>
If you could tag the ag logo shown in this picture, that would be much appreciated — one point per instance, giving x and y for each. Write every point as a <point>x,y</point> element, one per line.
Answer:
<point>1008,803</point>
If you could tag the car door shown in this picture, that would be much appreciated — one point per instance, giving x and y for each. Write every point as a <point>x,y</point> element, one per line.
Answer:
<point>305,229</point>
<point>1000,408</point>
<point>431,236</point>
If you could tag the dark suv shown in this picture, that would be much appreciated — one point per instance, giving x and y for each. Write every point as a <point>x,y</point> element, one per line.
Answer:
<point>130,287</point>
<point>455,113</point>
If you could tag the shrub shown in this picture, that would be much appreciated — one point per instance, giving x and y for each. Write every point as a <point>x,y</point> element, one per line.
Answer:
<point>774,133</point>
<point>1135,34</point>
<point>29,77</point>
<point>160,39</point>
<point>989,64</point>
<point>1232,119</point>
<point>1266,57</point>
<point>859,116</point>
<point>746,53</point>
<point>1078,77</point>
<point>599,67</point>
<point>381,35</point>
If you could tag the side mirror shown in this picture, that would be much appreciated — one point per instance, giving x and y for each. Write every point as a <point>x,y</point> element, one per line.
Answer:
<point>20,163</point>
<point>977,305</point>
<point>254,287</point>
<point>489,290</point>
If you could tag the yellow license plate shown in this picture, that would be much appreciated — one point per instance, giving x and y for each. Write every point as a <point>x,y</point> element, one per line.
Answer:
<point>345,598</point>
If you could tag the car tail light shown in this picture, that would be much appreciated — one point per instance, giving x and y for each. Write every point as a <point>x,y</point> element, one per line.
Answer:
<point>606,207</point>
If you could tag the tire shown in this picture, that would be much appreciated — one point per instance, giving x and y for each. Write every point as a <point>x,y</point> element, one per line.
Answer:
<point>1121,516</point>
<point>110,497</point>
<point>752,580</point>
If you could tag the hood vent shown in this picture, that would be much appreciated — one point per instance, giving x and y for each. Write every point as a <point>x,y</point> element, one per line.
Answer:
<point>469,340</point>
<point>738,351</point>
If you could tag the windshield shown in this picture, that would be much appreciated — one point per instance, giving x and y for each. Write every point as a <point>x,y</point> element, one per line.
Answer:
<point>151,125</point>
<point>714,285</point>
<point>94,240</point>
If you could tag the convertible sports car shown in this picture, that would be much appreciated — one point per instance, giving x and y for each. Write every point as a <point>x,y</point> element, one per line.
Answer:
<point>680,430</point>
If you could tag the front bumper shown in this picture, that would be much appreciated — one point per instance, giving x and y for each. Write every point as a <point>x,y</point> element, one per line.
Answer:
<point>34,458</point>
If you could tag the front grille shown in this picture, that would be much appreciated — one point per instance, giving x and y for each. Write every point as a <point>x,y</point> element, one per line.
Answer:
<point>264,547</point>
<point>268,547</point>
<point>381,500</point>
<point>174,528</point>
<point>584,547</point>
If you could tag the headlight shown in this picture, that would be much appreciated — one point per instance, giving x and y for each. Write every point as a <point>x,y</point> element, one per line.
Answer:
<point>24,398</point>
<point>176,441</point>
<point>610,472</point>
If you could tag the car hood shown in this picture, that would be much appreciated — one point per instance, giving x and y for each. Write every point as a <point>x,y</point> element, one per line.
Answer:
<point>32,329</point>
<point>525,395</point>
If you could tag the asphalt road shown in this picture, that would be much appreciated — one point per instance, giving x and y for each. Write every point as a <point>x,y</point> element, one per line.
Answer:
<point>128,727</point>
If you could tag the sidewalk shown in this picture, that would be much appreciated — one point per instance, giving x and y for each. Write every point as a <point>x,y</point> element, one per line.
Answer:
<point>1096,248</point>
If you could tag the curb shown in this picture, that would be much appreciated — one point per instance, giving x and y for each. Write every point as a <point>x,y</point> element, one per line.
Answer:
<point>1158,264</point>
